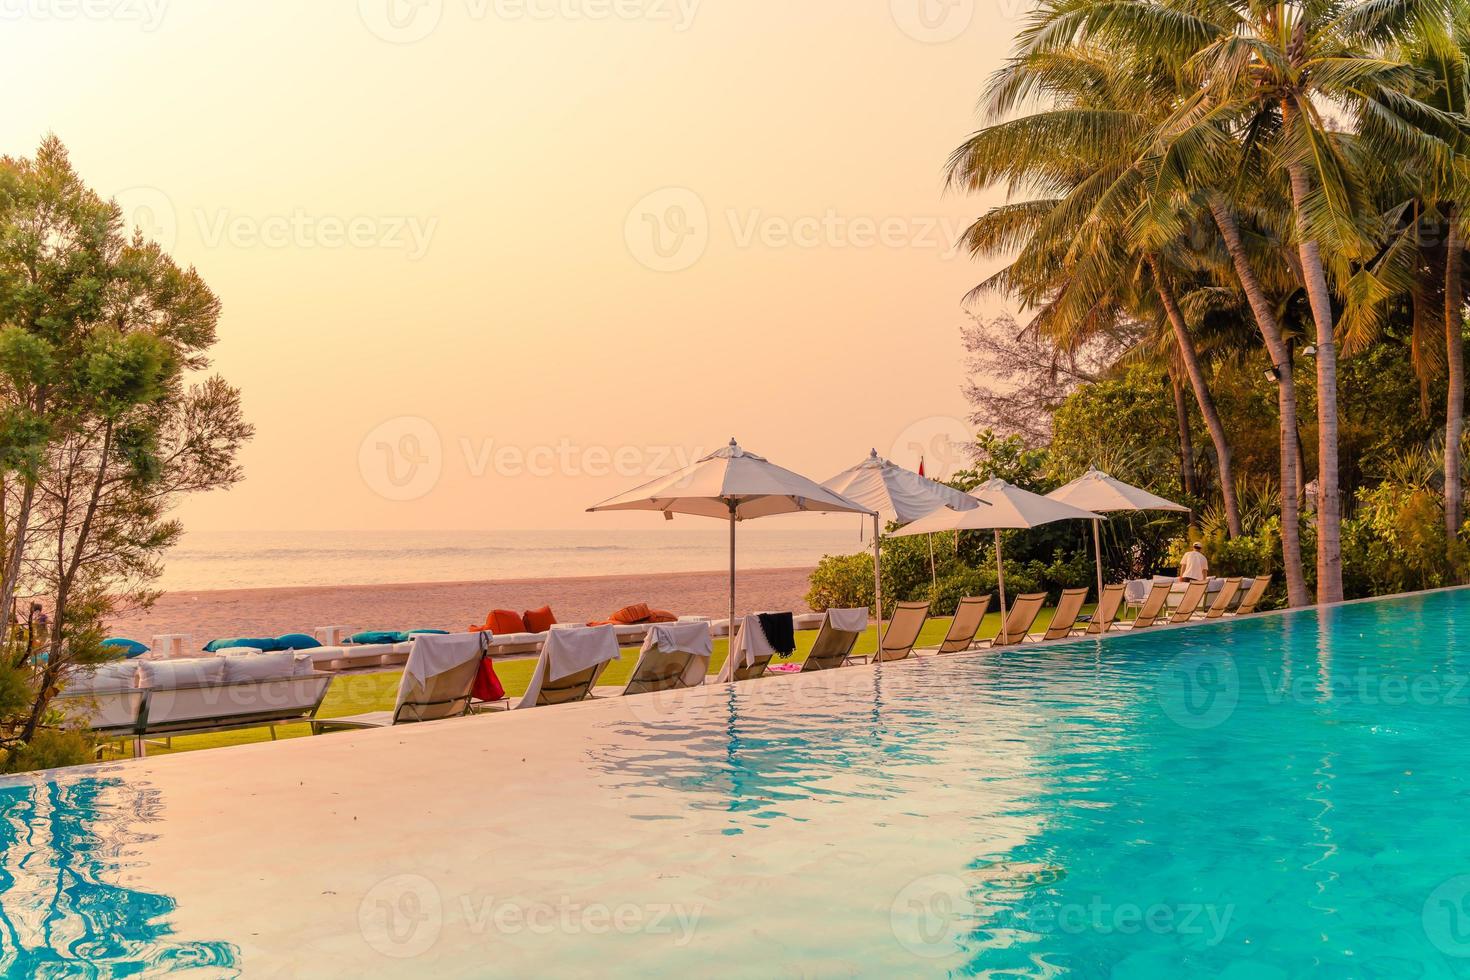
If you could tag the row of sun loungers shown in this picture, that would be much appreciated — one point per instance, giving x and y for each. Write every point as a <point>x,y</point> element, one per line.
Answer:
<point>163,698</point>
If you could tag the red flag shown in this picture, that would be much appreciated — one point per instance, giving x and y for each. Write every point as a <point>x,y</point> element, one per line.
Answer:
<point>921,465</point>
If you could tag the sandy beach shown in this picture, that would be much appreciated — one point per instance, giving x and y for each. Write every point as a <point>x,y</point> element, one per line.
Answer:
<point>453,605</point>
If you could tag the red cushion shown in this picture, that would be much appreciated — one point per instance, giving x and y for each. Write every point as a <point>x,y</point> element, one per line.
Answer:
<point>538,620</point>
<point>636,613</point>
<point>661,616</point>
<point>505,621</point>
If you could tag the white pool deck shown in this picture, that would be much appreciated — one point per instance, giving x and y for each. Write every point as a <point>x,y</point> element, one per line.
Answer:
<point>516,843</point>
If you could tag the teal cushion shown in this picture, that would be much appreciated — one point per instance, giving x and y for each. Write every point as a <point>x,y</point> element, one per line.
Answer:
<point>130,648</point>
<point>372,637</point>
<point>435,632</point>
<point>264,644</point>
<point>296,641</point>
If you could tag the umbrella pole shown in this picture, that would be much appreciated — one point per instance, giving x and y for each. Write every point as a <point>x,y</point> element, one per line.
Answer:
<point>877,575</point>
<point>933,575</point>
<point>1000,580</point>
<point>730,632</point>
<point>1097,556</point>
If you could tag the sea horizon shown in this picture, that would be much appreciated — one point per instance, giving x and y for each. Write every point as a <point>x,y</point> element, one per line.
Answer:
<point>206,561</point>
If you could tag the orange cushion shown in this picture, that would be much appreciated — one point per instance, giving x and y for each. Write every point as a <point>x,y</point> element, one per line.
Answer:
<point>636,613</point>
<point>538,620</point>
<point>661,616</point>
<point>505,621</point>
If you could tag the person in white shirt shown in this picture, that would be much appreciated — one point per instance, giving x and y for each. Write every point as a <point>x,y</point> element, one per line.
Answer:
<point>1194,567</point>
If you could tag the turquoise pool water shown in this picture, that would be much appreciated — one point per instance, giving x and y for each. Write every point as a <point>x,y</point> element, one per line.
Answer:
<point>1282,796</point>
<point>64,912</point>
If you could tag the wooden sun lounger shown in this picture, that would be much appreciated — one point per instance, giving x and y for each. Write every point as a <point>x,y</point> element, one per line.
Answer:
<point>1019,620</point>
<point>1106,612</point>
<point>1152,609</point>
<point>1223,599</point>
<point>1064,620</point>
<point>968,616</point>
<point>1253,596</point>
<point>830,649</point>
<point>1194,594</point>
<point>898,639</point>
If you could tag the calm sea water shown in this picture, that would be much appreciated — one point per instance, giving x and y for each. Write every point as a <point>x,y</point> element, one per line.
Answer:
<point>256,559</point>
<point>1282,796</point>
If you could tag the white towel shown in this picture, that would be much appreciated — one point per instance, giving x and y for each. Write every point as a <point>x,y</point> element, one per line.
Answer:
<point>750,645</point>
<point>568,651</point>
<point>680,638</point>
<point>848,620</point>
<point>434,653</point>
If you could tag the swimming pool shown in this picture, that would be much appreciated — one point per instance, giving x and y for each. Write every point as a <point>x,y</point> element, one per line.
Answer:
<point>1279,796</point>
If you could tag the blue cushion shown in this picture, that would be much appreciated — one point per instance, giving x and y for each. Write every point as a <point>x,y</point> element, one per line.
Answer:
<point>264,644</point>
<point>371,637</point>
<point>435,632</point>
<point>130,648</point>
<point>296,641</point>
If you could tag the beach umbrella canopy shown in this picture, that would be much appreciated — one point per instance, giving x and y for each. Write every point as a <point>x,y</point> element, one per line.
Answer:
<point>889,490</point>
<point>1010,508</point>
<point>892,491</point>
<point>1096,491</point>
<point>733,485</point>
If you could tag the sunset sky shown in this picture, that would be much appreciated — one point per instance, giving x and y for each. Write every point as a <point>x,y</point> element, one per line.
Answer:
<point>486,263</point>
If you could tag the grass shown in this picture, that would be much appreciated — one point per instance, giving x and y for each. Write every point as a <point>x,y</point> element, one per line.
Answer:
<point>352,694</point>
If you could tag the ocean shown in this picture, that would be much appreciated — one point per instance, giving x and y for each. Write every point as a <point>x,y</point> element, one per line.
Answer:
<point>269,559</point>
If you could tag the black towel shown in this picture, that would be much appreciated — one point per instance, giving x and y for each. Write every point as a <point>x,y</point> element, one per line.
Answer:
<point>780,630</point>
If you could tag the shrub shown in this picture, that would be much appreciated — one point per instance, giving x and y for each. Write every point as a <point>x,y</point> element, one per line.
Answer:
<point>841,582</point>
<point>945,595</point>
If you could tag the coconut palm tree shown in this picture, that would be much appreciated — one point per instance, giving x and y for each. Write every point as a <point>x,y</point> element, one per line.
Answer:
<point>1425,208</point>
<point>1306,79</point>
<point>1088,252</point>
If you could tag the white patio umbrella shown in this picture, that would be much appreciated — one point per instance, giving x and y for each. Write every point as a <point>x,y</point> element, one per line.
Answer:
<point>1010,508</point>
<point>891,491</point>
<point>734,485</point>
<point>1096,491</point>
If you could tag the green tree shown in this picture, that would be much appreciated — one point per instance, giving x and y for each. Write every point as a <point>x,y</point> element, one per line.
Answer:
<point>99,333</point>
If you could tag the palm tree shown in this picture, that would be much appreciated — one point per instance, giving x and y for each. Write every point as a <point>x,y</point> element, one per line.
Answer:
<point>1295,77</point>
<point>1424,208</point>
<point>1088,252</point>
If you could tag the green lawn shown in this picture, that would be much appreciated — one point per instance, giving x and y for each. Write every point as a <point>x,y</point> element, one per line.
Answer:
<point>352,694</point>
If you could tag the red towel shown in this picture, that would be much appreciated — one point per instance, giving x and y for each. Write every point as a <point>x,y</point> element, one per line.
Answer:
<point>487,685</point>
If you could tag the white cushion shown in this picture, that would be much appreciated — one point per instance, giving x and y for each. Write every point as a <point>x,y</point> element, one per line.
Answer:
<point>118,675</point>
<point>169,674</point>
<point>261,667</point>
<point>304,665</point>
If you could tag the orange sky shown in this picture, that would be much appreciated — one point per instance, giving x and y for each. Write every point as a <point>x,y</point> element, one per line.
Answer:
<point>486,262</point>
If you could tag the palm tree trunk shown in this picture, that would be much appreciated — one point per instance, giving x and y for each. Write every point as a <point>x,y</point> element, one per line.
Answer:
<point>1291,461</point>
<point>1454,415</point>
<point>1186,438</point>
<point>1202,397</point>
<point>1329,500</point>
